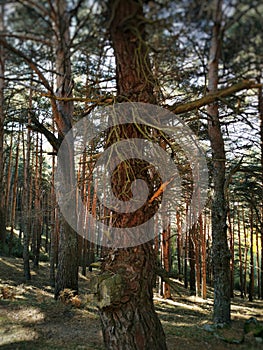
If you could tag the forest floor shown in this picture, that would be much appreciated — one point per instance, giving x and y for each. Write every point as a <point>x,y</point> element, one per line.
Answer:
<point>31,319</point>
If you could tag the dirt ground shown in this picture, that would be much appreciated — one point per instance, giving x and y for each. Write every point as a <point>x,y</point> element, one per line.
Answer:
<point>31,319</point>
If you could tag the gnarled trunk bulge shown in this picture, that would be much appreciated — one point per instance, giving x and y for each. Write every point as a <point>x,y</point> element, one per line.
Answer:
<point>128,317</point>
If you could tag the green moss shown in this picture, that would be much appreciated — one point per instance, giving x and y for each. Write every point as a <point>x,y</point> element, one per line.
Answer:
<point>108,289</point>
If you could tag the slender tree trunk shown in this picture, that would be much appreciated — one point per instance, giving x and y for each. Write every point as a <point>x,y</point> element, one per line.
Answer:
<point>68,259</point>
<point>8,178</point>
<point>2,119</point>
<point>197,261</point>
<point>203,255</point>
<point>221,253</point>
<point>260,108</point>
<point>207,227</point>
<point>186,245</point>
<point>166,259</point>
<point>251,272</point>
<point>37,205</point>
<point>192,278</point>
<point>232,252</point>
<point>131,323</point>
<point>14,197</point>
<point>240,255</point>
<point>246,251</point>
<point>26,201</point>
<point>257,261</point>
<point>179,242</point>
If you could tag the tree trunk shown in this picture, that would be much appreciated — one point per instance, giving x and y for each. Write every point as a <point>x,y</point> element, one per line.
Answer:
<point>36,244</point>
<point>192,278</point>
<point>257,261</point>
<point>203,255</point>
<point>240,255</point>
<point>251,272</point>
<point>221,253</point>
<point>246,251</point>
<point>2,118</point>
<point>166,259</point>
<point>25,200</point>
<point>14,197</point>
<point>68,259</point>
<point>260,109</point>
<point>186,248</point>
<point>179,241</point>
<point>232,251</point>
<point>130,321</point>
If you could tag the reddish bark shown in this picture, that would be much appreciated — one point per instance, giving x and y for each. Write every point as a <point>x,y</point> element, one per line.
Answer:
<point>130,321</point>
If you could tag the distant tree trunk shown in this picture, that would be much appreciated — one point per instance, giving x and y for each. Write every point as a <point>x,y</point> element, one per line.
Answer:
<point>131,323</point>
<point>251,272</point>
<point>36,243</point>
<point>207,243</point>
<point>166,258</point>
<point>257,261</point>
<point>2,119</point>
<point>203,255</point>
<point>260,109</point>
<point>26,197</point>
<point>246,251</point>
<point>197,260</point>
<point>232,252</point>
<point>186,250</point>
<point>192,278</point>
<point>54,222</point>
<point>14,197</point>
<point>221,253</point>
<point>179,242</point>
<point>240,255</point>
<point>8,179</point>
<point>82,176</point>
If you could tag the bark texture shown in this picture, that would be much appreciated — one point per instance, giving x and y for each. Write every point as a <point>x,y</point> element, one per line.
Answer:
<point>260,108</point>
<point>68,260</point>
<point>125,296</point>
<point>221,255</point>
<point>2,118</point>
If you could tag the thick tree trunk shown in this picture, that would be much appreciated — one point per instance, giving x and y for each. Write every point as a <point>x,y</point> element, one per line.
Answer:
<point>129,320</point>
<point>221,253</point>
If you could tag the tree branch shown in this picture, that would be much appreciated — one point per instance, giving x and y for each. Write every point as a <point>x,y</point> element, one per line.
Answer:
<point>27,37</point>
<point>31,64</point>
<point>206,100</point>
<point>37,126</point>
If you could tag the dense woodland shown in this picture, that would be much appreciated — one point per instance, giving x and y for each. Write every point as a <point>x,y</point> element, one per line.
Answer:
<point>62,60</point>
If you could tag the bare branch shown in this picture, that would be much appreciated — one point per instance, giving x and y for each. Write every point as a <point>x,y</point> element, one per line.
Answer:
<point>27,37</point>
<point>211,98</point>
<point>29,61</point>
